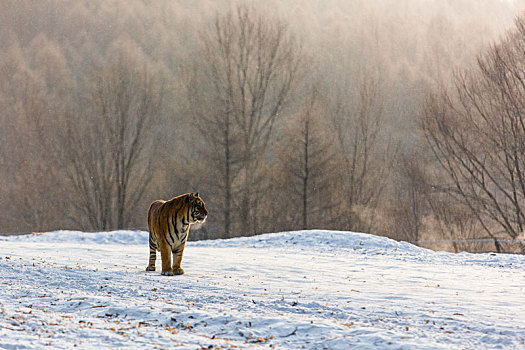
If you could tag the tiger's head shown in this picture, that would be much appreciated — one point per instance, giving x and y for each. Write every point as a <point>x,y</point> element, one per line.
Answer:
<point>197,208</point>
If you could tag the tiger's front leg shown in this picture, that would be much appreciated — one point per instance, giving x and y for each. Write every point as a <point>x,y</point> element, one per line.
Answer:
<point>177,259</point>
<point>165,255</point>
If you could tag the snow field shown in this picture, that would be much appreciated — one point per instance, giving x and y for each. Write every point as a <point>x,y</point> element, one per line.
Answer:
<point>308,289</point>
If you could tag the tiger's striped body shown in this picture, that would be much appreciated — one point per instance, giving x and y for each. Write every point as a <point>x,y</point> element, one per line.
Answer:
<point>169,225</point>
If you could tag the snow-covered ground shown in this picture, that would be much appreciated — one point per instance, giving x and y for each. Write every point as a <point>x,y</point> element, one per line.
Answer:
<point>308,289</point>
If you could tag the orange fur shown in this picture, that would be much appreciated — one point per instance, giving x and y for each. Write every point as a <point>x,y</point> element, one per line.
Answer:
<point>169,225</point>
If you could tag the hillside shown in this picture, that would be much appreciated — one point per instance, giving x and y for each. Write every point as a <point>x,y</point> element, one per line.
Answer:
<point>58,58</point>
<point>311,289</point>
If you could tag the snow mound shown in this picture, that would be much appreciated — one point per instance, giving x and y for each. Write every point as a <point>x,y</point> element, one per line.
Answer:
<point>316,239</point>
<point>64,236</point>
<point>298,240</point>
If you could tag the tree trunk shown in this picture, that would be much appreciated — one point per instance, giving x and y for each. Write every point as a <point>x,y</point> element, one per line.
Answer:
<point>306,173</point>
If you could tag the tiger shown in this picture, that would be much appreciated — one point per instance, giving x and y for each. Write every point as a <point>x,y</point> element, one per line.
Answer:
<point>169,224</point>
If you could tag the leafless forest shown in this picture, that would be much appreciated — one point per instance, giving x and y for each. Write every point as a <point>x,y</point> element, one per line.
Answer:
<point>402,118</point>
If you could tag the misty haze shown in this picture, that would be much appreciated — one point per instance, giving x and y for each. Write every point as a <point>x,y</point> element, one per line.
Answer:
<point>283,115</point>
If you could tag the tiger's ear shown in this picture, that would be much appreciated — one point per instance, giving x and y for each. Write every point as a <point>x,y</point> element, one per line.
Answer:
<point>197,194</point>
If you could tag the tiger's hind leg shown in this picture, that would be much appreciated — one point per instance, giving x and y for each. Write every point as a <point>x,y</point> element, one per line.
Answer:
<point>152,252</point>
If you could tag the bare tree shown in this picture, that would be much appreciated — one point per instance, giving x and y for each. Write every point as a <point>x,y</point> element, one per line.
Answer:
<point>128,98</point>
<point>477,133</point>
<point>248,67</point>
<point>453,221</point>
<point>366,157</point>
<point>411,192</point>
<point>26,177</point>
<point>103,145</point>
<point>305,157</point>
